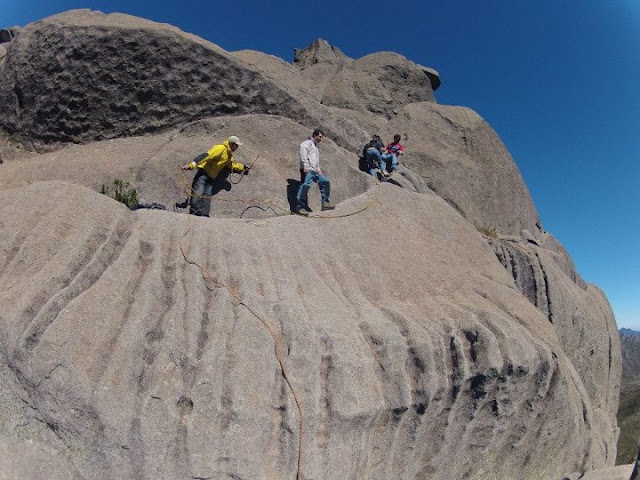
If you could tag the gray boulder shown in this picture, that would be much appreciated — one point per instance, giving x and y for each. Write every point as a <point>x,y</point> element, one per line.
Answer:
<point>378,84</point>
<point>582,319</point>
<point>83,75</point>
<point>427,328</point>
<point>464,161</point>
<point>161,346</point>
<point>151,164</point>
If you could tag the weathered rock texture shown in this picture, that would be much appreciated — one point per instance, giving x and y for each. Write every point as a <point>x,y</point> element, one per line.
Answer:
<point>466,163</point>
<point>379,83</point>
<point>631,356</point>
<point>580,315</point>
<point>144,371</point>
<point>392,340</point>
<point>88,76</point>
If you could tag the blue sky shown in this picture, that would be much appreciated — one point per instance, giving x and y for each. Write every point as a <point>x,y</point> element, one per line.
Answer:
<point>558,80</point>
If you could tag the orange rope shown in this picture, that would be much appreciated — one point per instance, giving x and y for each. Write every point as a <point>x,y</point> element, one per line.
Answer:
<point>275,335</point>
<point>279,348</point>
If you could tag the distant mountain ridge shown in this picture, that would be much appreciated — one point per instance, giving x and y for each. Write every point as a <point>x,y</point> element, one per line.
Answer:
<point>628,331</point>
<point>630,345</point>
<point>629,410</point>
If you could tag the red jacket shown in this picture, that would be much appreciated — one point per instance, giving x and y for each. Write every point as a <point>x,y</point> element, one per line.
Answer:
<point>396,148</point>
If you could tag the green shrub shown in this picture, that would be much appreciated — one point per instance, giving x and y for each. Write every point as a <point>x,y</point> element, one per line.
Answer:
<point>629,423</point>
<point>122,192</point>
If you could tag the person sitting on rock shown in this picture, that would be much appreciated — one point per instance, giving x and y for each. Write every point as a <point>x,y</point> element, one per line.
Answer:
<point>372,152</point>
<point>394,150</point>
<point>310,170</point>
<point>207,180</point>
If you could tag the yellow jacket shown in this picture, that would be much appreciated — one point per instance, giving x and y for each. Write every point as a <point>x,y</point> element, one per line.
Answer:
<point>218,157</point>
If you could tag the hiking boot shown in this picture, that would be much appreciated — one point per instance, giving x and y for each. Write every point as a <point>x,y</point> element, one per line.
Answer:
<point>302,212</point>
<point>327,206</point>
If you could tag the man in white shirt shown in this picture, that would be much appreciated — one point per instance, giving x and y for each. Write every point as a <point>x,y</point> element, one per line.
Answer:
<point>310,172</point>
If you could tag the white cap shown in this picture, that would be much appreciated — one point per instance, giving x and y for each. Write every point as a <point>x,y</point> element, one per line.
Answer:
<point>234,139</point>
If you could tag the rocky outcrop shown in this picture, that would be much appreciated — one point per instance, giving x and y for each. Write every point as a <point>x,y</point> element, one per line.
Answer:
<point>427,328</point>
<point>464,161</point>
<point>83,76</point>
<point>379,84</point>
<point>580,315</point>
<point>319,52</point>
<point>152,164</point>
<point>629,410</point>
<point>133,347</point>
<point>631,355</point>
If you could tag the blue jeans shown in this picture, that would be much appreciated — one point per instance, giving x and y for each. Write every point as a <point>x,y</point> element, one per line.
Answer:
<point>390,158</point>
<point>323,184</point>
<point>202,189</point>
<point>373,156</point>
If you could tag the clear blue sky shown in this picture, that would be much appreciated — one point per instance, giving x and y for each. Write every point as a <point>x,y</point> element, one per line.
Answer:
<point>559,80</point>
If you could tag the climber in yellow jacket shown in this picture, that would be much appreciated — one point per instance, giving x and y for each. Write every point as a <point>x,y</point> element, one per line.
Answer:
<point>208,179</point>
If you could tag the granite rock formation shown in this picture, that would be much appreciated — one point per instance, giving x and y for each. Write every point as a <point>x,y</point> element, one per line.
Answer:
<point>464,161</point>
<point>430,329</point>
<point>86,76</point>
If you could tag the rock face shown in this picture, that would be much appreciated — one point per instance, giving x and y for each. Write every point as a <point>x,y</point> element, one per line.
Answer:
<point>87,76</point>
<point>427,328</point>
<point>379,83</point>
<point>466,163</point>
<point>580,315</point>
<point>147,369</point>
<point>631,355</point>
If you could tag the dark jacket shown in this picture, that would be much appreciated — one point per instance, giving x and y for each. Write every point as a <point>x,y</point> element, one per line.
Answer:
<point>372,144</point>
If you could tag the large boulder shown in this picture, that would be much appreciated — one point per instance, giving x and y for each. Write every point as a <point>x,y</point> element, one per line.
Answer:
<point>367,91</point>
<point>380,83</point>
<point>464,161</point>
<point>84,75</point>
<point>582,319</point>
<point>427,328</point>
<point>631,356</point>
<point>151,164</point>
<point>161,346</point>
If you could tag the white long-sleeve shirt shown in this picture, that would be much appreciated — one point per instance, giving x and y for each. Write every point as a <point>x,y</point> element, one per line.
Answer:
<point>309,156</point>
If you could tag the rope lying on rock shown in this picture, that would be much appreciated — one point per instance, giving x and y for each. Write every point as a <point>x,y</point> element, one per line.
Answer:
<point>280,350</point>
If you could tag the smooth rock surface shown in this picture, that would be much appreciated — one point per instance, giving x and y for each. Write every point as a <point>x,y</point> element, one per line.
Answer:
<point>464,161</point>
<point>427,328</point>
<point>149,370</point>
